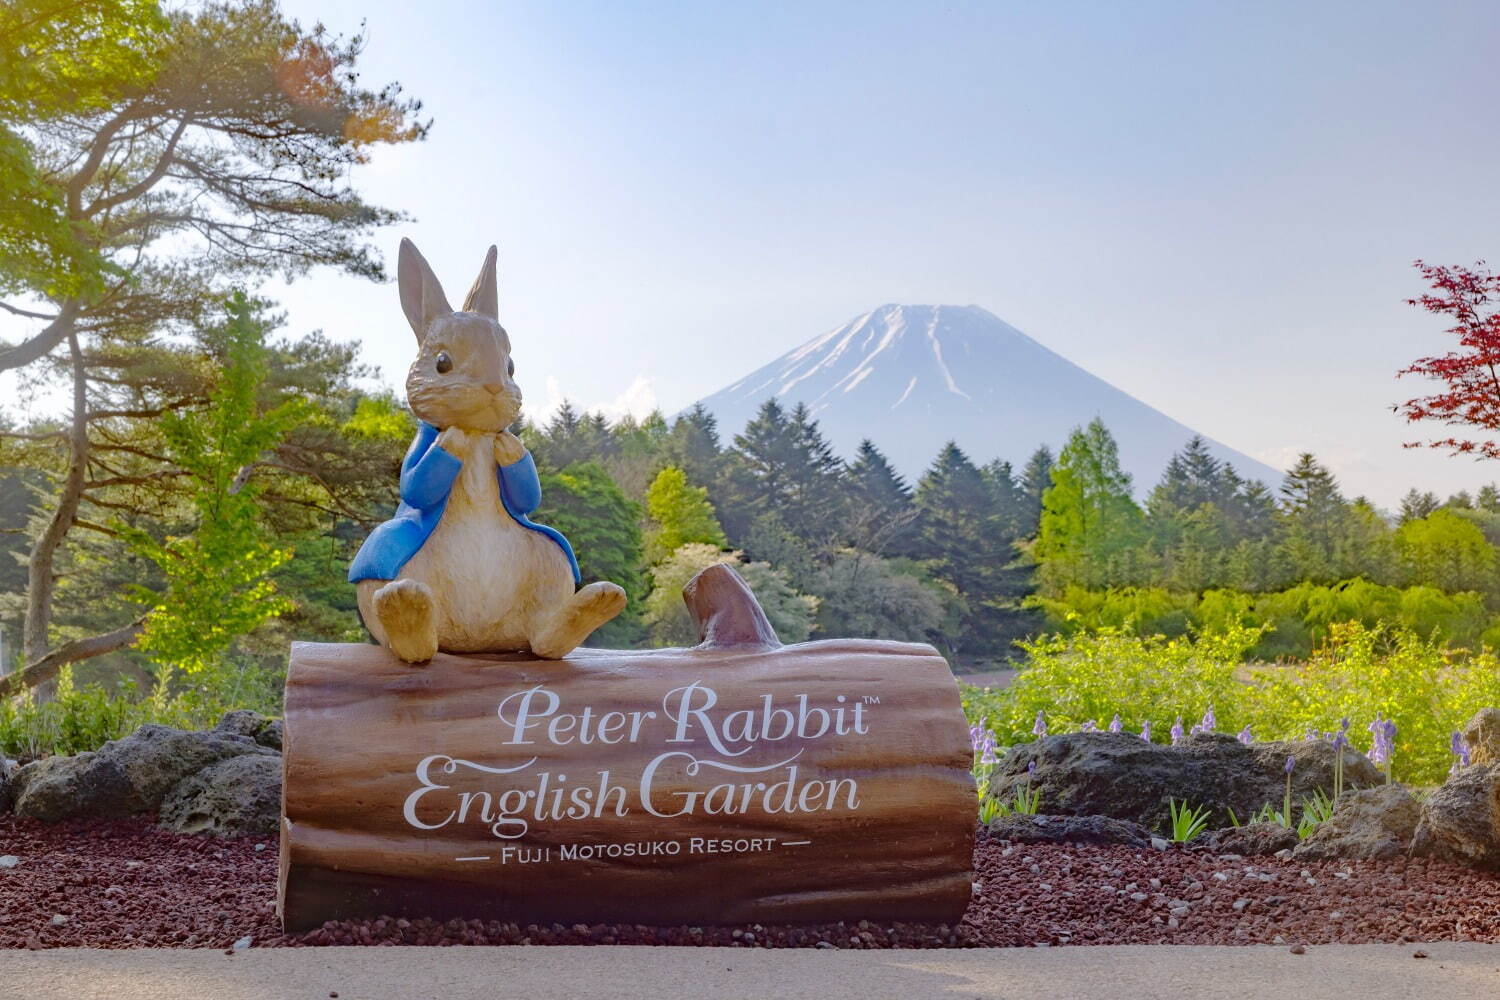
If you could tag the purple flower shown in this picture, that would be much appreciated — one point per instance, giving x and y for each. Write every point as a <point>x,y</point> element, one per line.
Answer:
<point>1088,727</point>
<point>1209,723</point>
<point>1384,732</point>
<point>1245,736</point>
<point>1114,724</point>
<point>1339,742</point>
<point>1459,747</point>
<point>1312,734</point>
<point>1040,729</point>
<point>1344,724</point>
<point>1146,730</point>
<point>1176,731</point>
<point>989,752</point>
<point>1291,764</point>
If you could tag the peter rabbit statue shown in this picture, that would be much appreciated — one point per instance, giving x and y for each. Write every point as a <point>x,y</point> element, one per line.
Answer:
<point>460,567</point>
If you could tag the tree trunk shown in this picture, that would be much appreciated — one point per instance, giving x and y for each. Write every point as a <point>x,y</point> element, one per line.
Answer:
<point>737,781</point>
<point>40,575</point>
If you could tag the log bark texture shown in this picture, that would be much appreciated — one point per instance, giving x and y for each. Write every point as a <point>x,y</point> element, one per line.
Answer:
<point>737,781</point>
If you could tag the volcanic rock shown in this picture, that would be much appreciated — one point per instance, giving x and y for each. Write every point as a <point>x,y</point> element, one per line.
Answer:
<point>243,722</point>
<point>1250,840</point>
<point>129,775</point>
<point>1025,829</point>
<point>1461,819</point>
<point>1373,823</point>
<point>237,797</point>
<point>7,771</point>
<point>1119,775</point>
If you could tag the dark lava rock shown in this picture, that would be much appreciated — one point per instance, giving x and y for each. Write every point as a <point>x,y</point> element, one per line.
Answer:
<point>1483,736</point>
<point>1069,830</point>
<point>1250,840</point>
<point>1119,775</point>
<point>270,735</point>
<point>243,722</point>
<point>236,797</point>
<point>1373,823</point>
<point>1461,819</point>
<point>129,775</point>
<point>7,771</point>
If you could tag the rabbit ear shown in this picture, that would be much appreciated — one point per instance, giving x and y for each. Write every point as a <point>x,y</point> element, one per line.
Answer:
<point>484,297</point>
<point>422,297</point>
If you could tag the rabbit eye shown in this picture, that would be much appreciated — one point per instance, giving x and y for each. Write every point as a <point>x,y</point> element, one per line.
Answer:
<point>444,363</point>
<point>510,366</point>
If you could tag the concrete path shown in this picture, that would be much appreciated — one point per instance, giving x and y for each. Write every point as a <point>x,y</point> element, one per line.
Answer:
<point>1334,972</point>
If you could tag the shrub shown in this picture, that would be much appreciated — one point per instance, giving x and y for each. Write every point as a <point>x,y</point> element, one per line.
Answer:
<point>87,717</point>
<point>1144,678</point>
<point>1428,689</point>
<point>1295,621</point>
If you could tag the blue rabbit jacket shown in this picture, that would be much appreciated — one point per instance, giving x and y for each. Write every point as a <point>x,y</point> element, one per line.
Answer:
<point>427,476</point>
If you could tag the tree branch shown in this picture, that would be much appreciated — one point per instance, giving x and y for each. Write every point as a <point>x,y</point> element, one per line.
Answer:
<point>52,334</point>
<point>42,670</point>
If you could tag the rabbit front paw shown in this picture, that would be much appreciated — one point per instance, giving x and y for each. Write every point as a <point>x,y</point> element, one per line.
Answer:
<point>454,440</point>
<point>508,449</point>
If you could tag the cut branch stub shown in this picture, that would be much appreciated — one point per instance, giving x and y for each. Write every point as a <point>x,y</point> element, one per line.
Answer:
<point>727,613</point>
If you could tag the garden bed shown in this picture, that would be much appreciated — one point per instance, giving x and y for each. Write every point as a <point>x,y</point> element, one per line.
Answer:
<point>123,884</point>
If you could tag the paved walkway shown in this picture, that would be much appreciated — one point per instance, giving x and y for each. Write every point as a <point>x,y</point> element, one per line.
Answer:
<point>1334,972</point>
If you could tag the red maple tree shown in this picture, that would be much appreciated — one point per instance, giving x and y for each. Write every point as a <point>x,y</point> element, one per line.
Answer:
<point>1470,297</point>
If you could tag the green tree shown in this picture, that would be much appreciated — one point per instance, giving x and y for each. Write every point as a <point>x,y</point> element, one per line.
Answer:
<point>217,574</point>
<point>218,583</point>
<point>881,515</point>
<point>1091,529</point>
<point>781,466</point>
<point>681,513</point>
<point>603,525</point>
<point>963,537</point>
<point>1447,551</point>
<point>65,58</point>
<point>1416,505</point>
<point>1314,520</point>
<point>693,445</point>
<point>861,595</point>
<point>229,164</point>
<point>1036,478</point>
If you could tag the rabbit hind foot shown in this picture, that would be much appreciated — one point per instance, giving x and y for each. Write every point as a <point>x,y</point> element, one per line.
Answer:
<point>408,619</point>
<point>571,623</point>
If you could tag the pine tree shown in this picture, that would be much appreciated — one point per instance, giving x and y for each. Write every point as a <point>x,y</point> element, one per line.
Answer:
<point>693,444</point>
<point>880,512</point>
<point>782,466</point>
<point>1036,477</point>
<point>1314,519</point>
<point>1008,499</point>
<point>963,537</point>
<point>1416,505</point>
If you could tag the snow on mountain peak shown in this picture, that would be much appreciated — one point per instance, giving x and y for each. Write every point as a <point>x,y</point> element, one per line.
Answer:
<point>911,377</point>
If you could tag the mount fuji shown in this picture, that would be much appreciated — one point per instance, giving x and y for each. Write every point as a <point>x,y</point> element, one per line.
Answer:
<point>912,377</point>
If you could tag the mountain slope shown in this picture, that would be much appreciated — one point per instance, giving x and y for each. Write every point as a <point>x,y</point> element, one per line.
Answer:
<point>912,377</point>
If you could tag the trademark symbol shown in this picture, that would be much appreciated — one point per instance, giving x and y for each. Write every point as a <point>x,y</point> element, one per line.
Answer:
<point>872,699</point>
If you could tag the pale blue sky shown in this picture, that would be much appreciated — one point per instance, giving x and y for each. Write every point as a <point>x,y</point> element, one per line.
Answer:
<point>1212,205</point>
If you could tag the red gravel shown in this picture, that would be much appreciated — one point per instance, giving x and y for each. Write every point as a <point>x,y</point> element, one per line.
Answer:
<point>123,884</point>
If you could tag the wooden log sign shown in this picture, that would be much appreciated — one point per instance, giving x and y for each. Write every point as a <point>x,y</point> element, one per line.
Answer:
<point>738,781</point>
